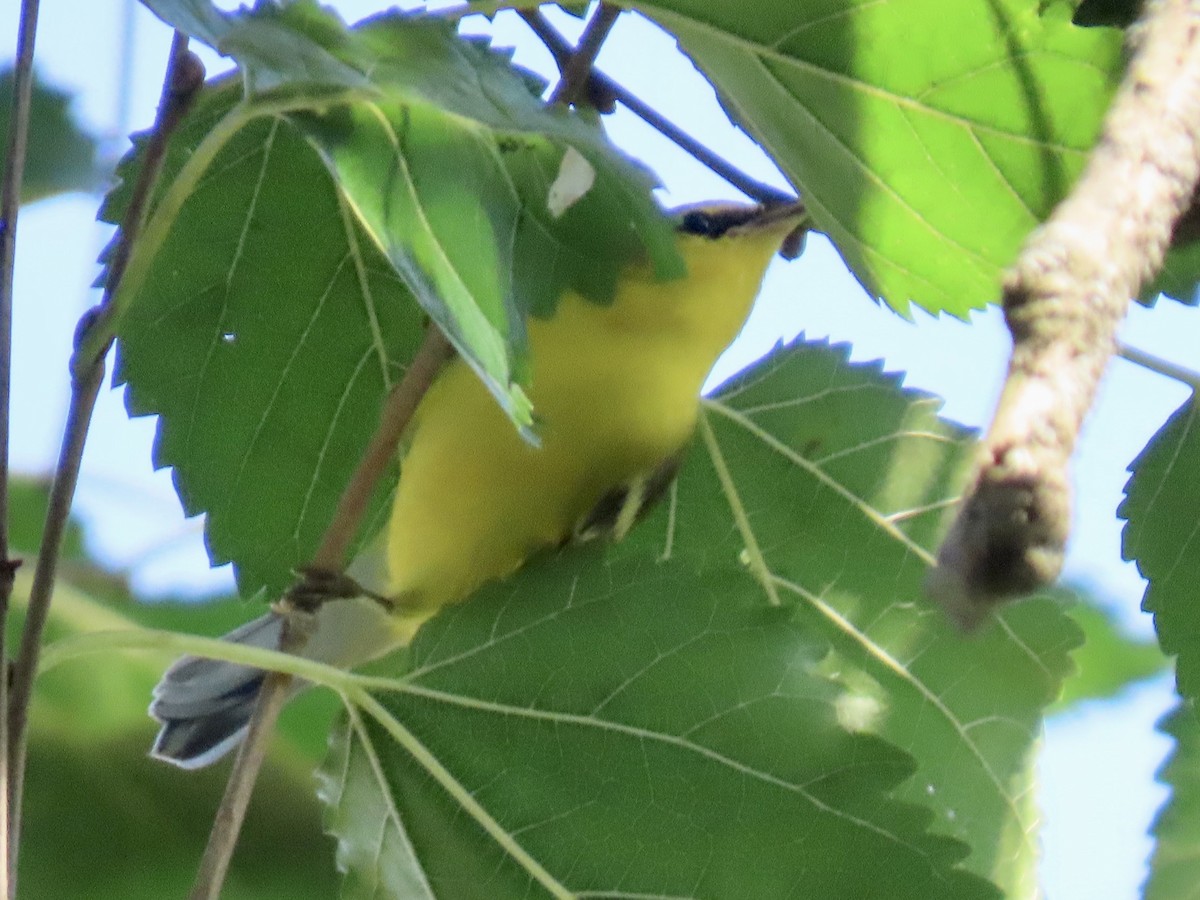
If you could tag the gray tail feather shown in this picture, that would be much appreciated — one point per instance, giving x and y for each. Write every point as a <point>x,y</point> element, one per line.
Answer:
<point>204,705</point>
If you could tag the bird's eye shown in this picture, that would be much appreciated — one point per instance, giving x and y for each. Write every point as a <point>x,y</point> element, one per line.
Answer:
<point>697,222</point>
<point>703,223</point>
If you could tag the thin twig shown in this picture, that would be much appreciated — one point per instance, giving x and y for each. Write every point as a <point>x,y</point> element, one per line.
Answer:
<point>1063,300</point>
<point>185,75</point>
<point>227,823</point>
<point>602,86</point>
<point>10,202</point>
<point>184,78</point>
<point>331,555</point>
<point>398,410</point>
<point>1161,366</point>
<point>576,73</point>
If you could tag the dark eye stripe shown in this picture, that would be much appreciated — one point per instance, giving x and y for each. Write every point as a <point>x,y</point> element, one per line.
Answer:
<point>712,223</point>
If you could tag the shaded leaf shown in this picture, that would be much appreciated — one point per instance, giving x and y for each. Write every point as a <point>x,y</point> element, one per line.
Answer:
<point>636,730</point>
<point>1108,661</point>
<point>265,336</point>
<point>1160,507</point>
<point>1116,13</point>
<point>927,137</point>
<point>416,126</point>
<point>28,501</point>
<point>60,156</point>
<point>653,683</point>
<point>1175,865</point>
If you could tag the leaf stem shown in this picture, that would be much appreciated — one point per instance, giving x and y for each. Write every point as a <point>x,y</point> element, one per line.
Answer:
<point>1157,364</point>
<point>133,638</point>
<point>577,71</point>
<point>10,202</point>
<point>185,75</point>
<point>397,412</point>
<point>561,50</point>
<point>758,562</point>
<point>455,788</point>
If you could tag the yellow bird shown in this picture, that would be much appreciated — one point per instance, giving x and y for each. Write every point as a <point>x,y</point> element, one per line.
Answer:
<point>616,390</point>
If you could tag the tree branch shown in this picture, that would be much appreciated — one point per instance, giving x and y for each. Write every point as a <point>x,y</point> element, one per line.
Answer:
<point>577,71</point>
<point>10,203</point>
<point>397,412</point>
<point>602,90</point>
<point>185,75</point>
<point>1063,300</point>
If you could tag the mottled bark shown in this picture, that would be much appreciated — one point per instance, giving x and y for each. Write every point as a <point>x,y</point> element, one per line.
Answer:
<point>1063,300</point>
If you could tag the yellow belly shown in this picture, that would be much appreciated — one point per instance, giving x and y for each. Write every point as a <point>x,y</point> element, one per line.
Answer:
<point>615,391</point>
<point>475,500</point>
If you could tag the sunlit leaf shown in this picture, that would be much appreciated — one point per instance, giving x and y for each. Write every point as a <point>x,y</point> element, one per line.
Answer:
<point>927,137</point>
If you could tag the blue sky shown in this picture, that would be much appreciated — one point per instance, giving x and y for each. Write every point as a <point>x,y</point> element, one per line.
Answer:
<point>1097,766</point>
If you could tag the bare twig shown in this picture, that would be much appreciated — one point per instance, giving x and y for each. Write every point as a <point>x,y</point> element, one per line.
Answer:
<point>601,88</point>
<point>10,202</point>
<point>227,823</point>
<point>1063,301</point>
<point>1165,367</point>
<point>578,68</point>
<point>184,78</point>
<point>563,50</point>
<point>185,75</point>
<point>397,412</point>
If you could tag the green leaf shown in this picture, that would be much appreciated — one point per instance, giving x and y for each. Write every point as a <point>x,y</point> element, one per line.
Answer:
<point>60,156</point>
<point>927,137</point>
<point>625,728</point>
<point>270,306</point>
<point>265,335</point>
<point>634,693</point>
<point>418,130</point>
<point>1175,865</point>
<point>28,502</point>
<point>1109,660</point>
<point>849,482</point>
<point>1160,507</point>
<point>1178,277</point>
